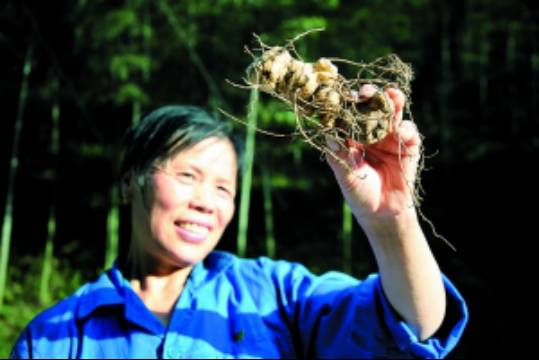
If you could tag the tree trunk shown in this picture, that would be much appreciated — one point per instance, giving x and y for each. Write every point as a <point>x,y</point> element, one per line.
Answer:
<point>14,163</point>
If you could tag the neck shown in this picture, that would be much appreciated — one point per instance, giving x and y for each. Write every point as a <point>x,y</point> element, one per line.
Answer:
<point>159,285</point>
<point>140,264</point>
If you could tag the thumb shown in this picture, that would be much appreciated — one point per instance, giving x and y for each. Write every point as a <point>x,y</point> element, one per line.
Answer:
<point>398,100</point>
<point>344,160</point>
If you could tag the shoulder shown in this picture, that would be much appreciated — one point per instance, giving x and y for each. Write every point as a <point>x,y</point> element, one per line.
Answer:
<point>261,268</point>
<point>52,328</point>
<point>77,306</point>
<point>52,332</point>
<point>283,276</point>
<point>260,275</point>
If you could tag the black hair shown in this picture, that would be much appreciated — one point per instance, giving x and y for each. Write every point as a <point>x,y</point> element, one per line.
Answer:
<point>169,129</point>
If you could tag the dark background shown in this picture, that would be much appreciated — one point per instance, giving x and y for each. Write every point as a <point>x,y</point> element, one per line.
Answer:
<point>475,99</point>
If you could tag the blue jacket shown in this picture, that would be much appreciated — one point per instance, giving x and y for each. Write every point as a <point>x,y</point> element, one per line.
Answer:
<point>232,307</point>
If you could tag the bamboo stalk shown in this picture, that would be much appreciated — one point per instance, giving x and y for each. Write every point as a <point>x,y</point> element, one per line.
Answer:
<point>48,257</point>
<point>113,227</point>
<point>247,174</point>
<point>346,238</point>
<point>271,246</point>
<point>14,164</point>
<point>113,216</point>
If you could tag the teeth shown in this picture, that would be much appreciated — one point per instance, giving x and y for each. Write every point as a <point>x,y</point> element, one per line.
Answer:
<point>195,228</point>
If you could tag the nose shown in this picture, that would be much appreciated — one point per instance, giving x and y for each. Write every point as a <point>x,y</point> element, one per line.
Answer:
<point>202,200</point>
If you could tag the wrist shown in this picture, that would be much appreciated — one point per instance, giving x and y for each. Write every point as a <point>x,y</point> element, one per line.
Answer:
<point>392,232</point>
<point>388,223</point>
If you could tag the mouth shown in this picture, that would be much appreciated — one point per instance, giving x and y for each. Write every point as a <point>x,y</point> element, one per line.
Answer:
<point>194,232</point>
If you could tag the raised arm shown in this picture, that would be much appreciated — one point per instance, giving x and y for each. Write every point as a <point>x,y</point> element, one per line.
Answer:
<point>378,185</point>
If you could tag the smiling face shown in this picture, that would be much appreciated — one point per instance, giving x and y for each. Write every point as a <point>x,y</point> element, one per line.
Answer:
<point>187,203</point>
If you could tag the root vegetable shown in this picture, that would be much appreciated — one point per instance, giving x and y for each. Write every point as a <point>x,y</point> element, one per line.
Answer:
<point>316,91</point>
<point>328,107</point>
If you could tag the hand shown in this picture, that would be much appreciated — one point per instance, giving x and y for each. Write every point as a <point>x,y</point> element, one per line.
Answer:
<point>378,181</point>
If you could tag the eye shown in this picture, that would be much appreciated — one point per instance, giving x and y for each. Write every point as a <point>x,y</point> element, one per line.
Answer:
<point>186,176</point>
<point>224,190</point>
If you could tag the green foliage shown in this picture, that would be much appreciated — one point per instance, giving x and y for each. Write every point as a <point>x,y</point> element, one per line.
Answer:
<point>273,114</point>
<point>290,28</point>
<point>129,93</point>
<point>118,42</point>
<point>93,150</point>
<point>22,295</point>
<point>122,66</point>
<point>7,222</point>
<point>115,24</point>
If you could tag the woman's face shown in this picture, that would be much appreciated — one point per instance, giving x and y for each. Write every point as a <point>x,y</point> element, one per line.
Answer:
<point>189,201</point>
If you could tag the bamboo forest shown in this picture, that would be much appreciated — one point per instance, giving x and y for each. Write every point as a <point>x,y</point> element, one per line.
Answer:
<point>75,74</point>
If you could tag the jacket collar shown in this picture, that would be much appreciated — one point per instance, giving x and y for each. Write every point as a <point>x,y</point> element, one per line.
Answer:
<point>99,293</point>
<point>112,289</point>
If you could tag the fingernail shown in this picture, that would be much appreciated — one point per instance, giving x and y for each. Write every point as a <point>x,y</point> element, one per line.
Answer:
<point>356,156</point>
<point>367,91</point>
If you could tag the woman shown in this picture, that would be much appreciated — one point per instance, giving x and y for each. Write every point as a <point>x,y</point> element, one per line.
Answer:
<point>175,297</point>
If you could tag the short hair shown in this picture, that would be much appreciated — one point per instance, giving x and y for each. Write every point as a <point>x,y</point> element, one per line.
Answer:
<point>169,129</point>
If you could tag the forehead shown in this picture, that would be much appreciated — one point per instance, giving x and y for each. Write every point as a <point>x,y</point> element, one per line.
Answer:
<point>210,154</point>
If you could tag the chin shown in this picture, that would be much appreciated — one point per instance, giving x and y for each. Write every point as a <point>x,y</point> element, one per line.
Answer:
<point>190,256</point>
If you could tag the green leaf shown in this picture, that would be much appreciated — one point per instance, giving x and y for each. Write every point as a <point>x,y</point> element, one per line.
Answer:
<point>116,24</point>
<point>123,65</point>
<point>130,92</point>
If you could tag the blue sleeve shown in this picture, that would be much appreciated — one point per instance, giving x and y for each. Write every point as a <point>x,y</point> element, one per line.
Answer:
<point>337,316</point>
<point>22,348</point>
<point>51,334</point>
<point>445,339</point>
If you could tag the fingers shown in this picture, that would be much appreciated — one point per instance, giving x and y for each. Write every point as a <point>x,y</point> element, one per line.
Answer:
<point>408,134</point>
<point>405,142</point>
<point>332,144</point>
<point>351,153</point>
<point>366,92</point>
<point>397,100</point>
<point>404,137</point>
<point>410,145</point>
<point>396,97</point>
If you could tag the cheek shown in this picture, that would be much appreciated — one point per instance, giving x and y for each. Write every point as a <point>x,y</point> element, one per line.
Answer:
<point>226,214</point>
<point>164,205</point>
<point>168,196</point>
